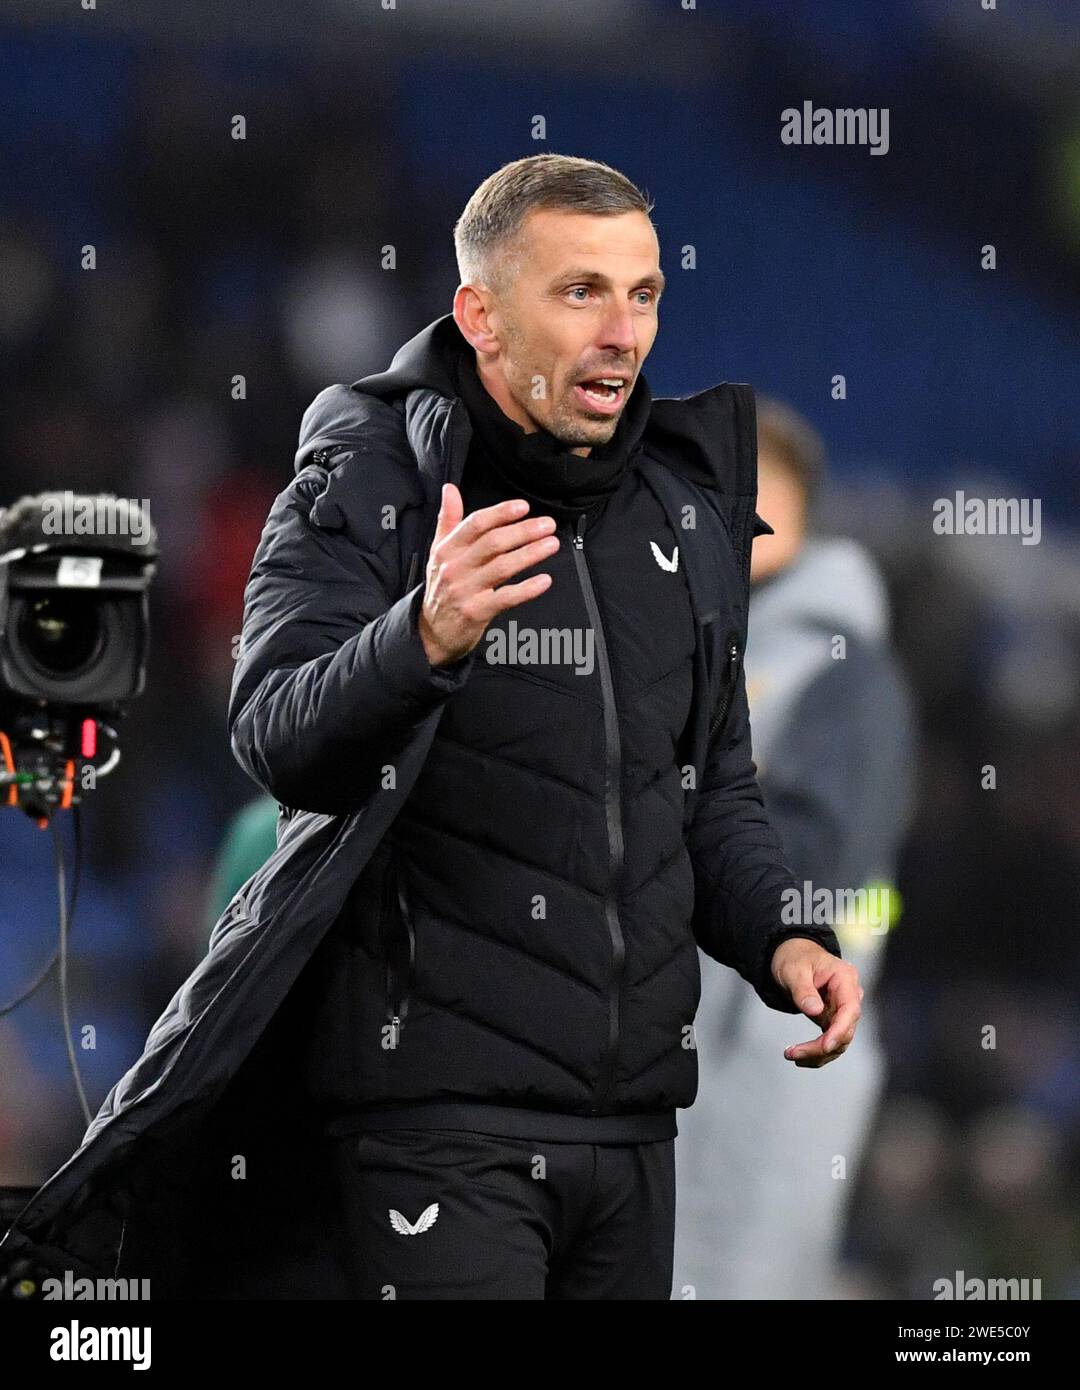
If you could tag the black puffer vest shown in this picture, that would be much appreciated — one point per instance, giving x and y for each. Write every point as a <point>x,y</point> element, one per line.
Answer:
<point>519,953</point>
<point>534,896</point>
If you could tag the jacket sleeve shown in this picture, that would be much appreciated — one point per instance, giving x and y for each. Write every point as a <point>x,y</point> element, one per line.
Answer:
<point>332,679</point>
<point>739,869</point>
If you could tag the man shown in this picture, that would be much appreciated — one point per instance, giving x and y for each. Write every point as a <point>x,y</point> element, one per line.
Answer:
<point>765,1164</point>
<point>490,669</point>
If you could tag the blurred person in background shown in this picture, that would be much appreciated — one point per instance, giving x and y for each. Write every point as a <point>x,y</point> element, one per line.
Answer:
<point>766,1163</point>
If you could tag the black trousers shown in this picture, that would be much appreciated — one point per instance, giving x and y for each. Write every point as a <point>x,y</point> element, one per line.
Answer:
<point>454,1214</point>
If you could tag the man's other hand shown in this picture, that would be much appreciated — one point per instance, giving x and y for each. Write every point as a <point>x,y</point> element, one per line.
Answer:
<point>827,990</point>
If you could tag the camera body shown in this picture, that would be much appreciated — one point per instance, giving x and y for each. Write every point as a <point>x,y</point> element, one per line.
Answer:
<point>74,637</point>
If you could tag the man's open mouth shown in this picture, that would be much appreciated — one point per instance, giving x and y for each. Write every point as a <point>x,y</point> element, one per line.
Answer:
<point>603,392</point>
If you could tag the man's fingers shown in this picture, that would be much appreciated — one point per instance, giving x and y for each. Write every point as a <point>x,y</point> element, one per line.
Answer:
<point>484,519</point>
<point>845,992</point>
<point>504,567</point>
<point>500,549</point>
<point>834,1041</point>
<point>511,595</point>
<point>811,1054</point>
<point>451,510</point>
<point>841,1030</point>
<point>804,992</point>
<point>471,584</point>
<point>470,557</point>
<point>501,539</point>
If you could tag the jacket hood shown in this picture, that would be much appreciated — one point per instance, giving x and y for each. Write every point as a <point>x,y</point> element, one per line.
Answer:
<point>708,438</point>
<point>834,582</point>
<point>419,362</point>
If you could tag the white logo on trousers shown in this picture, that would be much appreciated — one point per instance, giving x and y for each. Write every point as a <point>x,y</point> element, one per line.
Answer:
<point>424,1221</point>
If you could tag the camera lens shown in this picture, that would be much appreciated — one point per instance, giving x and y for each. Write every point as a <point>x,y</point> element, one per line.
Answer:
<point>61,633</point>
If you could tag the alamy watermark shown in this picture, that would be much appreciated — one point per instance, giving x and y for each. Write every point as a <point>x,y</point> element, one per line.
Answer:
<point>863,907</point>
<point>961,515</point>
<point>970,1287</point>
<point>543,646</point>
<point>77,1343</point>
<point>847,125</point>
<point>65,514</point>
<point>69,1288</point>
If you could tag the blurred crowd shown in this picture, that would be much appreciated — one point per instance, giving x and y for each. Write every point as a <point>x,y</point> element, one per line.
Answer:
<point>234,278</point>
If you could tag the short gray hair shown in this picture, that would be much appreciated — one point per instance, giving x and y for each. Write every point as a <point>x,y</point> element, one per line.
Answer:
<point>485,231</point>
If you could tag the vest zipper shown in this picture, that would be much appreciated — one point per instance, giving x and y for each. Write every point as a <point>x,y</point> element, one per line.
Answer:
<point>613,812</point>
<point>732,676</point>
<point>397,999</point>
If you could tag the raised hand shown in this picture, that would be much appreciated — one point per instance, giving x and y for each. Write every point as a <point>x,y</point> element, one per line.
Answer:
<point>471,559</point>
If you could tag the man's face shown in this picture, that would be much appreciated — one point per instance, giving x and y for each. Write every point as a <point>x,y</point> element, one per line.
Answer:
<point>580,303</point>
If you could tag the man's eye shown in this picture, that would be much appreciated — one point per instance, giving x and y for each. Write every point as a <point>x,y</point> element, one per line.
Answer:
<point>574,289</point>
<point>648,295</point>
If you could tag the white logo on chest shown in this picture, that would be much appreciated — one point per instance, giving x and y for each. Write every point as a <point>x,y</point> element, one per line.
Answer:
<point>662,560</point>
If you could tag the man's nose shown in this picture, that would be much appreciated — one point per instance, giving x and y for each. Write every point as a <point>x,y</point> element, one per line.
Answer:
<point>617,330</point>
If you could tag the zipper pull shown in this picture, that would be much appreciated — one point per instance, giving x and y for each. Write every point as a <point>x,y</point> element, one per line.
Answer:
<point>729,688</point>
<point>579,536</point>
